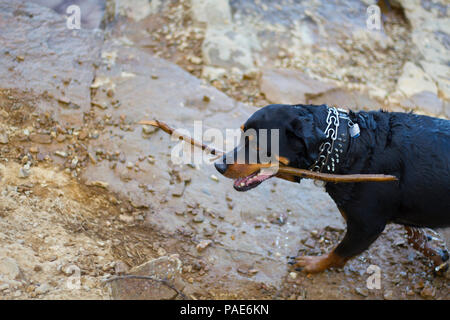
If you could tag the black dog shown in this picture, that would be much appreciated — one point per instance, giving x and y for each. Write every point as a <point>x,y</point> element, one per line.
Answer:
<point>414,148</point>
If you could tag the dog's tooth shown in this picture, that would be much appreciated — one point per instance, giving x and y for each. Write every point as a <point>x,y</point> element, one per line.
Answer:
<point>242,184</point>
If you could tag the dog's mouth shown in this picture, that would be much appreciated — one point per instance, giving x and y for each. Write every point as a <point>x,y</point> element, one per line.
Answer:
<point>255,179</point>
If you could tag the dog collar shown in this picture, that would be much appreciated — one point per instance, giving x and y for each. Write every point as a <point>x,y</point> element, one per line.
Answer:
<point>337,139</point>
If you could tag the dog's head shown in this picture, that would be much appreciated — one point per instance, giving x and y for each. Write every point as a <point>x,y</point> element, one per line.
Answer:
<point>276,135</point>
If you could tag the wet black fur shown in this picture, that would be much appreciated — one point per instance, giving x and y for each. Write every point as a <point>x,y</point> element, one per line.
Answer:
<point>414,148</point>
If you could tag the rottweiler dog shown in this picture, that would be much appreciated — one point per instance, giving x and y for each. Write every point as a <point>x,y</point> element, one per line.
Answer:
<point>414,148</point>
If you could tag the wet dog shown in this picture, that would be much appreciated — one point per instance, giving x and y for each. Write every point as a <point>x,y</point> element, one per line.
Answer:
<point>414,148</point>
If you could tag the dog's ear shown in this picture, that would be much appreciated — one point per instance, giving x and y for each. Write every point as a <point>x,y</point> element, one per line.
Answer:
<point>304,128</point>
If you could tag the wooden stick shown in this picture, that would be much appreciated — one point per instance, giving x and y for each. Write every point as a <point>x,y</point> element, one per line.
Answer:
<point>336,178</point>
<point>303,173</point>
<point>164,127</point>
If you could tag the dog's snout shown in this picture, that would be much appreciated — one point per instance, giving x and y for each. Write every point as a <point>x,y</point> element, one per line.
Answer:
<point>221,167</point>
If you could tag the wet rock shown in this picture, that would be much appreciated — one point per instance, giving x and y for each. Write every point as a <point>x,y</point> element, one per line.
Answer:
<point>63,55</point>
<point>429,20</point>
<point>135,9</point>
<point>9,268</point>
<point>441,75</point>
<point>346,99</point>
<point>166,268</point>
<point>225,48</point>
<point>211,13</point>
<point>424,101</point>
<point>168,99</point>
<point>93,10</point>
<point>447,109</point>
<point>414,80</point>
<point>290,86</point>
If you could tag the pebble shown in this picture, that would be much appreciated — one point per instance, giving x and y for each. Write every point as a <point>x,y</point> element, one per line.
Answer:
<point>293,275</point>
<point>24,171</point>
<point>4,138</point>
<point>9,268</point>
<point>4,114</point>
<point>203,245</point>
<point>120,267</point>
<point>428,292</point>
<point>198,219</point>
<point>100,184</point>
<point>126,219</point>
<point>179,212</point>
<point>83,134</point>
<point>41,138</point>
<point>4,286</point>
<point>61,154</point>
<point>388,295</point>
<point>73,163</point>
<point>161,252</point>
<point>60,137</point>
<point>43,288</point>
<point>149,129</point>
<point>362,291</point>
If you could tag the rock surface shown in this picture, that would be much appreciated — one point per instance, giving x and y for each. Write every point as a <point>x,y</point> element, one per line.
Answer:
<point>178,98</point>
<point>41,55</point>
<point>165,272</point>
<point>290,86</point>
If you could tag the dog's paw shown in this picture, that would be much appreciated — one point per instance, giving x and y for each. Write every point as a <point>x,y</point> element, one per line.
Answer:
<point>311,264</point>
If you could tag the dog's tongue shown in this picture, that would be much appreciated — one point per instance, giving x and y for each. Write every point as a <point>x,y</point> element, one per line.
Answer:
<point>251,181</point>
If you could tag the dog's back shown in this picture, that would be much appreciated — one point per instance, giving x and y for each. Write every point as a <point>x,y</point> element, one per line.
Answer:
<point>423,146</point>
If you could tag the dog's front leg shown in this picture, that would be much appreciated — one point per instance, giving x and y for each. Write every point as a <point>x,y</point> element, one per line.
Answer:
<point>360,235</point>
